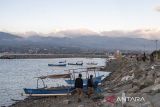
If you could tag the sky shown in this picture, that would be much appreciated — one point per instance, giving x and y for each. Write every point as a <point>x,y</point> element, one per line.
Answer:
<point>46,16</point>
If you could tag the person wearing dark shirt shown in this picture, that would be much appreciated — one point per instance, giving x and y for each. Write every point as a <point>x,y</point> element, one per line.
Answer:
<point>90,86</point>
<point>151,58</point>
<point>79,87</point>
<point>144,57</point>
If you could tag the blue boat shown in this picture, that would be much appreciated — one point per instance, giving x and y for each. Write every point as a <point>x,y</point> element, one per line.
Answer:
<point>48,92</point>
<point>97,79</point>
<point>59,64</point>
<point>59,91</point>
<point>53,91</point>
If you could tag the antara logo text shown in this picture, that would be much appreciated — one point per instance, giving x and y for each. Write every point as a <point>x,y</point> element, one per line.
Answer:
<point>123,99</point>
<point>130,99</point>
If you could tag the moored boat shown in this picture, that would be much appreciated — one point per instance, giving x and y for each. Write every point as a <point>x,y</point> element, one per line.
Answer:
<point>52,91</point>
<point>87,71</point>
<point>97,79</point>
<point>48,92</point>
<point>59,64</point>
<point>77,63</point>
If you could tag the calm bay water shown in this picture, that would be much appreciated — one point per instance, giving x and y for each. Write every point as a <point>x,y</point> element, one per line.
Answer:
<point>16,74</point>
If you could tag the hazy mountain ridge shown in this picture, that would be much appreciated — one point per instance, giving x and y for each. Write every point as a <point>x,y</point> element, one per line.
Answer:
<point>83,42</point>
<point>4,35</point>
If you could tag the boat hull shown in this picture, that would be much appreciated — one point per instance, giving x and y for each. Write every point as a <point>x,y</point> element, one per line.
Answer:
<point>74,64</point>
<point>57,64</point>
<point>48,92</point>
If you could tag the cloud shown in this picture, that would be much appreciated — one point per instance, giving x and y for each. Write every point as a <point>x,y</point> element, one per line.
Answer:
<point>148,33</point>
<point>151,34</point>
<point>157,8</point>
<point>77,32</point>
<point>139,33</point>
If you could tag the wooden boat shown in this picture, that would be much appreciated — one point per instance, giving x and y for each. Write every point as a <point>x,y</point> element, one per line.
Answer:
<point>97,79</point>
<point>59,64</point>
<point>77,63</point>
<point>48,92</point>
<point>64,90</point>
<point>53,91</point>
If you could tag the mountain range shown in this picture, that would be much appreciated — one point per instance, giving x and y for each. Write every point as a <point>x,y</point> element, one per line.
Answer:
<point>15,43</point>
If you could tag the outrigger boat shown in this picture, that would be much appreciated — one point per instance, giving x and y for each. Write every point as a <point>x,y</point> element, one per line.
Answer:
<point>77,63</point>
<point>96,79</point>
<point>53,91</point>
<point>64,90</point>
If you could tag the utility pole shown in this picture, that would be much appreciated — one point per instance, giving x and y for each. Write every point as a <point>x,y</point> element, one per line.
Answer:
<point>156,42</point>
<point>144,48</point>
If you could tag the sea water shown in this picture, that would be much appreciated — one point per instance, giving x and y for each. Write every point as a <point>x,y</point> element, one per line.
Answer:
<point>16,74</point>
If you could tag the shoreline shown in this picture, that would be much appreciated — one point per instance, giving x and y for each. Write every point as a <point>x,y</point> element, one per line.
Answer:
<point>42,56</point>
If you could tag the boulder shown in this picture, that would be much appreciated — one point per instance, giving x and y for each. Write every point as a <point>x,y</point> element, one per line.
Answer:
<point>134,89</point>
<point>157,81</point>
<point>158,74</point>
<point>81,106</point>
<point>66,101</point>
<point>156,87</point>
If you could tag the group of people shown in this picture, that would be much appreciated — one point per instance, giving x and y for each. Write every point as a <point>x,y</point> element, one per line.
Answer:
<point>79,86</point>
<point>141,57</point>
<point>144,58</point>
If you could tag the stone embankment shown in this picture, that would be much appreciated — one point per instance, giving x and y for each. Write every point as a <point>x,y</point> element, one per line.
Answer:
<point>136,84</point>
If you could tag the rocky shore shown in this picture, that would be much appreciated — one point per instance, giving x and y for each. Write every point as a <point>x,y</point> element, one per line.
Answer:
<point>136,84</point>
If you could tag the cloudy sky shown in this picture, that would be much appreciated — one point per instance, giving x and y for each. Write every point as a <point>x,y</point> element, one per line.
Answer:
<point>88,16</point>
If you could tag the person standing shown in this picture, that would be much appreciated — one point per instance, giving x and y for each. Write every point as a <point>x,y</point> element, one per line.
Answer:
<point>79,87</point>
<point>144,57</point>
<point>151,58</point>
<point>90,86</point>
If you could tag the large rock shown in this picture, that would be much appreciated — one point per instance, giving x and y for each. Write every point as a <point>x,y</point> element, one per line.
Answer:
<point>146,83</point>
<point>157,81</point>
<point>80,106</point>
<point>156,87</point>
<point>134,89</point>
<point>66,101</point>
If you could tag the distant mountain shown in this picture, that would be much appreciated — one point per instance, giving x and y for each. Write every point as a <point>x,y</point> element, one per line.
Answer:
<point>4,35</point>
<point>14,43</point>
